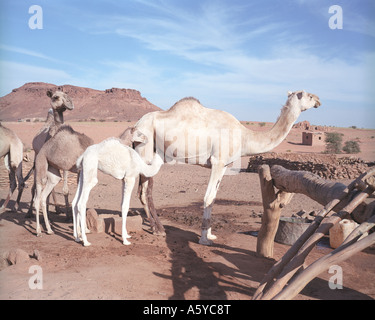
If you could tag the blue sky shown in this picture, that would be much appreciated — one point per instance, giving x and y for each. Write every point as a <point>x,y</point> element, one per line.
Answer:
<point>240,56</point>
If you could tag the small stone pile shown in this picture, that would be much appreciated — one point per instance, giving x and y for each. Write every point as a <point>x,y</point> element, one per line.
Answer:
<point>17,256</point>
<point>327,166</point>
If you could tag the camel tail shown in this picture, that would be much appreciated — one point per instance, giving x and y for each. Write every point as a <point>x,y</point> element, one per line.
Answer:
<point>16,154</point>
<point>41,168</point>
<point>29,173</point>
<point>79,162</point>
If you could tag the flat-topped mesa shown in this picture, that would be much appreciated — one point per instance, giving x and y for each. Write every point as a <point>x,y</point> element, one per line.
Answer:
<point>130,94</point>
<point>111,104</point>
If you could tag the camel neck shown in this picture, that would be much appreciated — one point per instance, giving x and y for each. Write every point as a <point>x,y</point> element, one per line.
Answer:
<point>58,117</point>
<point>256,142</point>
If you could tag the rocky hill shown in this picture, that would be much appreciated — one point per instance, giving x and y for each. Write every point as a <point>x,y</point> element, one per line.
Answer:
<point>30,102</point>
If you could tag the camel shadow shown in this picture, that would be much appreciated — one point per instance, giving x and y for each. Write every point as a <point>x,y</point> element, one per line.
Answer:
<point>59,223</point>
<point>296,143</point>
<point>189,271</point>
<point>192,275</point>
<point>233,271</point>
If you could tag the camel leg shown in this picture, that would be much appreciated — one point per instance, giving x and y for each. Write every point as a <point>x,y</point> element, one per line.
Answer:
<point>88,181</point>
<point>40,198</point>
<point>128,185</point>
<point>145,196</point>
<point>76,218</point>
<point>12,183</point>
<point>21,185</point>
<point>66,194</point>
<point>142,193</point>
<point>36,201</point>
<point>57,208</point>
<point>12,187</point>
<point>53,178</point>
<point>217,173</point>
<point>150,202</point>
<point>29,213</point>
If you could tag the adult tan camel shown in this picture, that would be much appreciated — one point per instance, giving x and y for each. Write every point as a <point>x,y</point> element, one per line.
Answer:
<point>58,153</point>
<point>60,102</point>
<point>193,134</point>
<point>11,148</point>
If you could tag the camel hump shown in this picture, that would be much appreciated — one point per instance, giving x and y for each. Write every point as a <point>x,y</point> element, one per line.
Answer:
<point>67,130</point>
<point>189,103</point>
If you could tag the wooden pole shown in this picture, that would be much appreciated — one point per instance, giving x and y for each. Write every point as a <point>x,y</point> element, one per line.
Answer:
<point>340,254</point>
<point>321,190</point>
<point>297,262</point>
<point>277,268</point>
<point>307,183</point>
<point>312,186</point>
<point>272,204</point>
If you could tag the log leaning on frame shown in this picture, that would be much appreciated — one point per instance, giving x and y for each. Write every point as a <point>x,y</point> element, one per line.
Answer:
<point>337,197</point>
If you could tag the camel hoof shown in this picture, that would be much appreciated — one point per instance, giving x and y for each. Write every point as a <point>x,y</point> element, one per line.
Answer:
<point>50,232</point>
<point>28,215</point>
<point>211,237</point>
<point>159,233</point>
<point>86,244</point>
<point>2,210</point>
<point>205,242</point>
<point>38,234</point>
<point>126,243</point>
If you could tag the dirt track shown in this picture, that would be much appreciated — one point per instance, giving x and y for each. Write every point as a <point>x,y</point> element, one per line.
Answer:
<point>171,267</point>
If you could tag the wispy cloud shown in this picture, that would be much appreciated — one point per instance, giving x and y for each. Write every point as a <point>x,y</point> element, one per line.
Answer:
<point>215,37</point>
<point>27,52</point>
<point>231,55</point>
<point>358,23</point>
<point>214,28</point>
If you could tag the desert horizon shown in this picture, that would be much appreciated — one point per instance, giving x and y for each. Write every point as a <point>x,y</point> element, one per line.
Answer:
<point>94,105</point>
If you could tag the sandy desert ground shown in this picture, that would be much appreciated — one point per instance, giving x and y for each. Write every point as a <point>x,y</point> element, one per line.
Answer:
<point>174,266</point>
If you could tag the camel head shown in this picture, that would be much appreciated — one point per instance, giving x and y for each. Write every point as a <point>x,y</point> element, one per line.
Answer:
<point>131,135</point>
<point>60,101</point>
<point>303,100</point>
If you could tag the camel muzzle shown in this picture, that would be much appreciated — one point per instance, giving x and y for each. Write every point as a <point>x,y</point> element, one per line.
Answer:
<point>317,104</point>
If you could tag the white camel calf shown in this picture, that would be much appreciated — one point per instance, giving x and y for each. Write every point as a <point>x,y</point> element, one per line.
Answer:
<point>121,162</point>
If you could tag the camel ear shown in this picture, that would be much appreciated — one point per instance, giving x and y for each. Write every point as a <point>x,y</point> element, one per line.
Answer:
<point>49,93</point>
<point>138,136</point>
<point>289,93</point>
